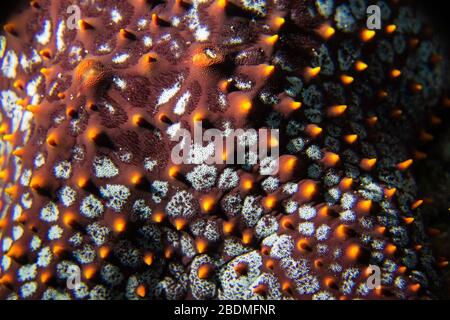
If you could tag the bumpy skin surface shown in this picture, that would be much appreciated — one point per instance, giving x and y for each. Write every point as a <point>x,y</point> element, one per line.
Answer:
<point>85,156</point>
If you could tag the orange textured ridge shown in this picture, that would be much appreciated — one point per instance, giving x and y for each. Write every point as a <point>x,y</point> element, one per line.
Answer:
<point>87,182</point>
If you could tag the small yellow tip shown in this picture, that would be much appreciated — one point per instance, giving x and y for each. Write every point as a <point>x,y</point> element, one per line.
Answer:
<point>336,111</point>
<point>271,40</point>
<point>58,249</point>
<point>389,193</point>
<point>155,19</point>
<point>84,25</point>
<point>12,191</point>
<point>45,277</point>
<point>395,73</point>
<point>296,105</point>
<point>92,133</point>
<point>173,171</point>
<point>372,120</point>
<point>32,108</point>
<point>197,117</point>
<point>368,164</point>
<point>90,272</point>
<point>391,28</point>
<point>18,84</point>
<point>158,217</point>
<point>19,152</point>
<point>273,142</point>
<point>247,184</point>
<point>269,202</point>
<point>408,220</point>
<point>136,179</point>
<point>308,190</point>
<point>82,182</point>
<point>201,245</point>
<point>353,251</point>
<point>148,259</point>
<point>246,105</point>
<point>45,71</point>
<point>120,225</point>
<point>347,79</point>
<point>360,66</point>
<point>227,227</point>
<point>390,248</point>
<point>9,138</point>
<point>279,21</point>
<point>3,128</point>
<point>22,102</point>
<point>312,72</point>
<point>247,237</point>
<point>415,287</point>
<point>326,31</point>
<point>402,166</point>
<point>36,182</point>
<point>350,138</point>
<point>52,140</point>
<point>137,119</point>
<point>290,164</point>
<point>364,206</point>
<point>3,174</point>
<point>346,183</point>
<point>417,204</point>
<point>367,35</point>
<point>313,130</point>
<point>222,3</point>
<point>180,223</point>
<point>268,70</point>
<point>202,60</point>
<point>141,291</point>
<point>331,159</point>
<point>204,271</point>
<point>207,204</point>
<point>45,53</point>
<point>416,87</point>
<point>103,252</point>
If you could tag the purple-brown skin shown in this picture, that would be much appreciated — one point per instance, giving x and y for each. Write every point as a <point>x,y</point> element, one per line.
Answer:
<point>87,177</point>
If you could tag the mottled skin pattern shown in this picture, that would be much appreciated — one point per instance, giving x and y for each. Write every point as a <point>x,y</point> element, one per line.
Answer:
<point>435,183</point>
<point>85,152</point>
